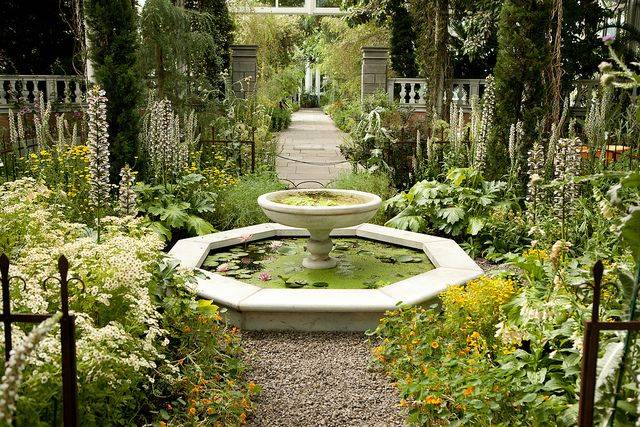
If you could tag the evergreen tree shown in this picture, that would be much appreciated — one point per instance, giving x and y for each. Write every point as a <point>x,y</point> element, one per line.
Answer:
<point>113,44</point>
<point>523,55</point>
<point>219,25</point>
<point>403,48</point>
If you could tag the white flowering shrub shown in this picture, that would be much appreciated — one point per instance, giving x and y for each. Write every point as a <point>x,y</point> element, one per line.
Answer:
<point>130,353</point>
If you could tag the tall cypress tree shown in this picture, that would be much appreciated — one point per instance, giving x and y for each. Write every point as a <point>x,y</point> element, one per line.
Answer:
<point>403,36</point>
<point>523,55</point>
<point>113,44</point>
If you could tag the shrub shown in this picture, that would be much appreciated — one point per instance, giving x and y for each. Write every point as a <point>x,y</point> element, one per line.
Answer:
<point>238,205</point>
<point>131,360</point>
<point>376,183</point>
<point>280,119</point>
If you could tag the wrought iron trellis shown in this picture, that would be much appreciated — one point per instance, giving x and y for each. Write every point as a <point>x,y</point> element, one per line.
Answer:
<point>590,349</point>
<point>226,142</point>
<point>67,331</point>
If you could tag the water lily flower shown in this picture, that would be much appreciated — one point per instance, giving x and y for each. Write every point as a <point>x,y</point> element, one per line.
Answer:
<point>265,277</point>
<point>223,268</point>
<point>275,245</point>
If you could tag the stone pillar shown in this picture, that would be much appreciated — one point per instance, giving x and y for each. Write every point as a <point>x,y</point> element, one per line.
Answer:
<point>374,70</point>
<point>244,69</point>
<point>318,82</point>
<point>308,78</point>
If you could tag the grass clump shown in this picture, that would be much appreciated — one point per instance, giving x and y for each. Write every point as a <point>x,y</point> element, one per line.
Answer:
<point>238,206</point>
<point>377,183</point>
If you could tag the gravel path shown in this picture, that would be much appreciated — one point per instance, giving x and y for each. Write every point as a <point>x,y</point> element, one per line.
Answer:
<point>318,379</point>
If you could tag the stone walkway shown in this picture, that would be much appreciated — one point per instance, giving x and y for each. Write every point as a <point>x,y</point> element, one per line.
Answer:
<point>318,379</point>
<point>312,137</point>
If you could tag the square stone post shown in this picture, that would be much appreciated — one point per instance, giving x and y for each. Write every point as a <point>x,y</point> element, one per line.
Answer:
<point>374,70</point>
<point>244,69</point>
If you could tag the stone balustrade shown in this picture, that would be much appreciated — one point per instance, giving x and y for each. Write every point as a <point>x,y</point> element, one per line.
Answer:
<point>409,92</point>
<point>66,91</point>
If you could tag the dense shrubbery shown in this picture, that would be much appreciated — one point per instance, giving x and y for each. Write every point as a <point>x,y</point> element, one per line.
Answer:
<point>132,361</point>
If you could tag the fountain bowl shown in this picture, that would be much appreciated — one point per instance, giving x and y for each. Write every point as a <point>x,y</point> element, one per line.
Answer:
<point>320,219</point>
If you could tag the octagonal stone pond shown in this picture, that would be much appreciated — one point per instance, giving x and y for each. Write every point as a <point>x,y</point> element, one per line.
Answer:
<point>255,273</point>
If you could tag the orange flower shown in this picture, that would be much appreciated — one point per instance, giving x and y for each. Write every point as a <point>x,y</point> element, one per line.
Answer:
<point>433,400</point>
<point>243,418</point>
<point>163,424</point>
<point>467,391</point>
<point>434,344</point>
<point>192,411</point>
<point>210,410</point>
<point>186,329</point>
<point>252,386</point>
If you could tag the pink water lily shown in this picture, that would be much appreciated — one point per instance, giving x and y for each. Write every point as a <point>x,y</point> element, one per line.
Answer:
<point>222,268</point>
<point>275,244</point>
<point>265,277</point>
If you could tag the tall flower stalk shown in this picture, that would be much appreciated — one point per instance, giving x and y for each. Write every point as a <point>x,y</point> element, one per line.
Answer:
<point>566,168</point>
<point>98,144</point>
<point>126,195</point>
<point>12,377</point>
<point>486,123</point>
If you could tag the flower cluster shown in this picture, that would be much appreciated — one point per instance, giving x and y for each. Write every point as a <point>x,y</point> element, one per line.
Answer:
<point>566,167</point>
<point>126,195</point>
<point>488,116</point>
<point>98,143</point>
<point>15,366</point>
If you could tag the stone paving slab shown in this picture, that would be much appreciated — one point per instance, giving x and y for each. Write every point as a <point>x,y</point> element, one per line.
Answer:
<point>311,137</point>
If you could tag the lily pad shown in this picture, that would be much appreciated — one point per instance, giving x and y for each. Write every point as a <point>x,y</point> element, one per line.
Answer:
<point>405,258</point>
<point>287,250</point>
<point>320,284</point>
<point>211,261</point>
<point>293,285</point>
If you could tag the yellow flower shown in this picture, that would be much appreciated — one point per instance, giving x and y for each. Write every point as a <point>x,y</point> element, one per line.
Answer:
<point>467,391</point>
<point>433,400</point>
<point>192,411</point>
<point>434,344</point>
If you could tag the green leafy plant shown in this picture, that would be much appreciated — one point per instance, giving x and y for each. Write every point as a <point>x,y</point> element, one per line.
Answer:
<point>176,210</point>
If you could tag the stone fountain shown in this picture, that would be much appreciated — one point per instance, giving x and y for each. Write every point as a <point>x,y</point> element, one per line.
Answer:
<point>319,219</point>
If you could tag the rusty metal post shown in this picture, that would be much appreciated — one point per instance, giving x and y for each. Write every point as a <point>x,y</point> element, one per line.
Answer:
<point>68,348</point>
<point>6,305</point>
<point>590,353</point>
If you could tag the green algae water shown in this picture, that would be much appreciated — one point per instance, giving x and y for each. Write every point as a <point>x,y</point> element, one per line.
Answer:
<point>277,263</point>
<point>321,198</point>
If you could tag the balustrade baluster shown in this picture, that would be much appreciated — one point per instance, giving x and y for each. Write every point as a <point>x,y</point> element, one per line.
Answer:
<point>412,93</point>
<point>403,93</point>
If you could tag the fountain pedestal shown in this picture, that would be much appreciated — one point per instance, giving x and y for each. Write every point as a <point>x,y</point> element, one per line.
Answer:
<point>319,246</point>
<point>320,220</point>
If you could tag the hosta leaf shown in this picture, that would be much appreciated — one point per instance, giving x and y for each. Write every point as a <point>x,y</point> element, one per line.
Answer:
<point>475,225</point>
<point>451,215</point>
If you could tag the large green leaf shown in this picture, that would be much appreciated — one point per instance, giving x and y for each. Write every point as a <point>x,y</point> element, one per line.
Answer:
<point>199,225</point>
<point>475,225</point>
<point>452,214</point>
<point>175,214</point>
<point>630,231</point>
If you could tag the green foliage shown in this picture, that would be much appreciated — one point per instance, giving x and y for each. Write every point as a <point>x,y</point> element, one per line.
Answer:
<point>280,119</point>
<point>523,55</point>
<point>238,205</point>
<point>146,351</point>
<point>465,205</point>
<point>504,354</point>
<point>377,183</point>
<point>114,40</point>
<point>177,210</point>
